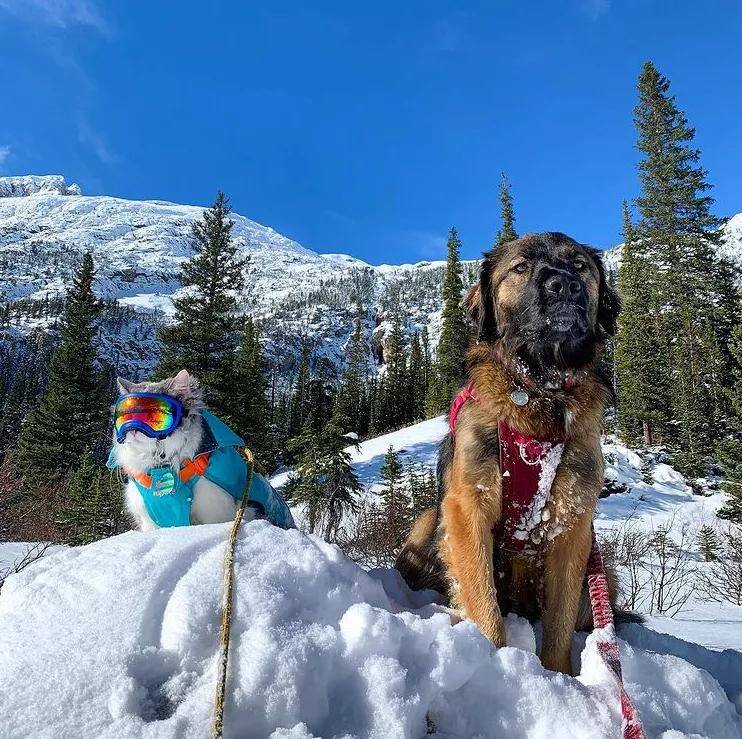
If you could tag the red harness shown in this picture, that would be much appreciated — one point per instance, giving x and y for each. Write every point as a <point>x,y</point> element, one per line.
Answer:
<point>528,468</point>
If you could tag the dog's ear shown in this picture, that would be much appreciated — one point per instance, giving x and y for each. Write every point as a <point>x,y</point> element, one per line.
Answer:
<point>479,303</point>
<point>473,304</point>
<point>609,303</point>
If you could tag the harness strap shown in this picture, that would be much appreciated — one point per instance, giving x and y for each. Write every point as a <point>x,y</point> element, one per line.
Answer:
<point>468,393</point>
<point>194,467</point>
<point>519,486</point>
<point>188,470</point>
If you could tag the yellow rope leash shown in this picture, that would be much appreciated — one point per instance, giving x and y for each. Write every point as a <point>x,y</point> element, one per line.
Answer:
<point>221,684</point>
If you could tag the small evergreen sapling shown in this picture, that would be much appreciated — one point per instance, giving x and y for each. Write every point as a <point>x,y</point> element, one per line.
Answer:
<point>708,543</point>
<point>394,512</point>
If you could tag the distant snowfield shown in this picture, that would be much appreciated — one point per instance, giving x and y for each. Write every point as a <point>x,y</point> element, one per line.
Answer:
<point>119,639</point>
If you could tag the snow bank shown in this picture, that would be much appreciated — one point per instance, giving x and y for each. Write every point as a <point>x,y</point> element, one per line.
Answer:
<point>119,639</point>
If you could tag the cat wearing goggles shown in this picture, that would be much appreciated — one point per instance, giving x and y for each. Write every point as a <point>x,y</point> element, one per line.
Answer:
<point>161,430</point>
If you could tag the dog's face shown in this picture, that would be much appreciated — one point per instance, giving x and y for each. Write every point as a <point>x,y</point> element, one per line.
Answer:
<point>546,298</point>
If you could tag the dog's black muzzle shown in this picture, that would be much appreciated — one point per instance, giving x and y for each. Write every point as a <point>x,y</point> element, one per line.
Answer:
<point>564,302</point>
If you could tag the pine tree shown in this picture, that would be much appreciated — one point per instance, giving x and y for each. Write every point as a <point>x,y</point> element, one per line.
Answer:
<point>249,414</point>
<point>688,305</point>
<point>73,410</point>
<point>394,513</point>
<point>643,400</point>
<point>427,358</point>
<point>392,400</point>
<point>729,449</point>
<point>708,543</point>
<point>422,487</point>
<point>203,334</point>
<point>26,378</point>
<point>92,508</point>
<point>449,368</point>
<point>350,401</point>
<point>416,384</point>
<point>507,214</point>
<point>323,479</point>
<point>277,440</point>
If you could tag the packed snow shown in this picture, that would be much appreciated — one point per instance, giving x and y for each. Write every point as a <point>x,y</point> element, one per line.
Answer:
<point>119,639</point>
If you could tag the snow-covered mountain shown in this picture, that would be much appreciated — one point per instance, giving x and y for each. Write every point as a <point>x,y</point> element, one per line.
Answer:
<point>139,246</point>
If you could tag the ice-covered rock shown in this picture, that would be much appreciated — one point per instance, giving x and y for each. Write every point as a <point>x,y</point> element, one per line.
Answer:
<point>51,184</point>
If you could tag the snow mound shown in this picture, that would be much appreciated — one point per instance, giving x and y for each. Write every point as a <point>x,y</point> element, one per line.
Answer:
<point>119,639</point>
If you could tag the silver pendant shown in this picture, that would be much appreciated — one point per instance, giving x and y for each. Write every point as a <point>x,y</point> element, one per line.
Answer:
<point>519,397</point>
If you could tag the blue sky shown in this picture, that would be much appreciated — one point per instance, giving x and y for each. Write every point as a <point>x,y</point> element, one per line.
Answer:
<point>366,128</point>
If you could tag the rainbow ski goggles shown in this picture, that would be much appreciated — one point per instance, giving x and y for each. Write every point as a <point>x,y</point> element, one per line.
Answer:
<point>154,414</point>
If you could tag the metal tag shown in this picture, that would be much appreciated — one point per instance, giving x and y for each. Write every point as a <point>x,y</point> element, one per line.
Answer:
<point>519,397</point>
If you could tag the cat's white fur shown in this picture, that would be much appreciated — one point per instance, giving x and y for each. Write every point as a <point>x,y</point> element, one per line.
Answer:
<point>138,453</point>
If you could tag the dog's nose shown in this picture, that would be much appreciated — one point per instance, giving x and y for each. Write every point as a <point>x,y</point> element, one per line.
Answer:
<point>562,286</point>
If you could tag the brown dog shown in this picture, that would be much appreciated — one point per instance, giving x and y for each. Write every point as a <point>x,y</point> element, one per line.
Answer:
<point>542,309</point>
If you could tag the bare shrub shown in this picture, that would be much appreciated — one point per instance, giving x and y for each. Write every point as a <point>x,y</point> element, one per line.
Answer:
<point>375,537</point>
<point>29,556</point>
<point>722,581</point>
<point>626,548</point>
<point>28,513</point>
<point>670,568</point>
<point>658,573</point>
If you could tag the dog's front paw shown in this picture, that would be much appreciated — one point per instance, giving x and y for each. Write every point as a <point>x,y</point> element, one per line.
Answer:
<point>558,662</point>
<point>495,631</point>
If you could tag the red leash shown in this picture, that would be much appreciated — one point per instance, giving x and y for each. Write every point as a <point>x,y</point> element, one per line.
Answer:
<point>523,461</point>
<point>600,602</point>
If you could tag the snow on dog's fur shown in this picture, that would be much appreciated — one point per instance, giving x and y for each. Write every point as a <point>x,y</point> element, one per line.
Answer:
<point>139,453</point>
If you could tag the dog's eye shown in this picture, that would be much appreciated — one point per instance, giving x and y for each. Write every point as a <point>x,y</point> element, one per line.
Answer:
<point>580,265</point>
<point>520,268</point>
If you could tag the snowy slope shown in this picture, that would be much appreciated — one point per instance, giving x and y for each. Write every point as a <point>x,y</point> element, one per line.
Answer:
<point>119,639</point>
<point>139,246</point>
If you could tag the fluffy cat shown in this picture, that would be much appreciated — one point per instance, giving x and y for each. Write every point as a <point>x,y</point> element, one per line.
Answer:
<point>139,453</point>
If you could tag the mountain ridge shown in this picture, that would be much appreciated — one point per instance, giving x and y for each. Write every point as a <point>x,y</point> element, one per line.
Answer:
<point>294,293</point>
